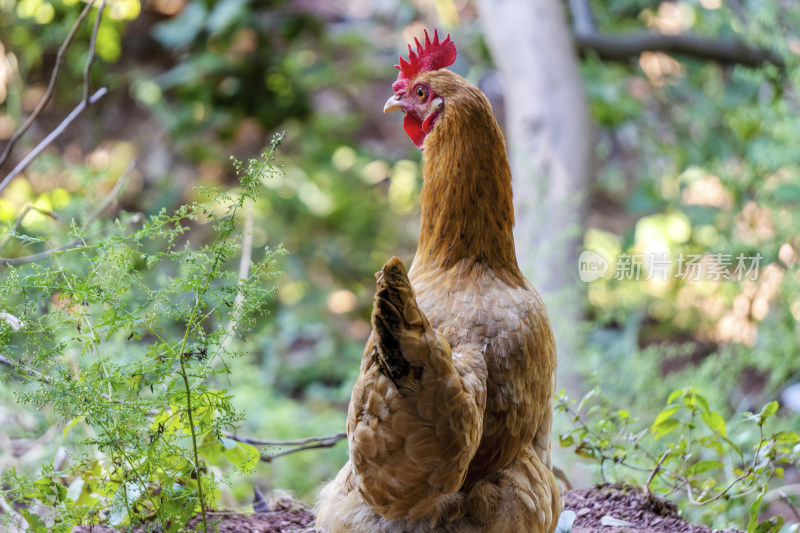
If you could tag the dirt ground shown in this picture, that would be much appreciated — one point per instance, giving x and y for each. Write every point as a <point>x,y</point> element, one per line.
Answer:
<point>594,508</point>
<point>614,502</point>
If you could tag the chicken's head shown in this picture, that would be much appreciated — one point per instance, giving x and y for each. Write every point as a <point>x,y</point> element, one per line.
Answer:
<point>412,94</point>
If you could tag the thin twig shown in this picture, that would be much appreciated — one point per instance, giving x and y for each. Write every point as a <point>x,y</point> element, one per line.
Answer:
<point>17,521</point>
<point>87,69</point>
<point>624,47</point>
<point>793,489</point>
<point>268,458</point>
<point>134,219</point>
<point>17,223</point>
<point>52,136</point>
<point>110,197</point>
<point>721,494</point>
<point>244,273</point>
<point>22,368</point>
<point>726,52</point>
<point>309,443</point>
<point>677,476</point>
<point>50,87</point>
<point>655,471</point>
<point>244,269</point>
<point>332,439</point>
<point>579,420</point>
<point>560,474</point>
<point>791,505</point>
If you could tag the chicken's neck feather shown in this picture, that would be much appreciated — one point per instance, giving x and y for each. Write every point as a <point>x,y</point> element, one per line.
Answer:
<point>466,202</point>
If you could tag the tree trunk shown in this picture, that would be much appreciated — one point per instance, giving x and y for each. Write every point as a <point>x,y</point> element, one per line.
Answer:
<point>549,137</point>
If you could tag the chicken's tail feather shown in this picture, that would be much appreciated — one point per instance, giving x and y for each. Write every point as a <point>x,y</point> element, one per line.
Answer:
<point>398,323</point>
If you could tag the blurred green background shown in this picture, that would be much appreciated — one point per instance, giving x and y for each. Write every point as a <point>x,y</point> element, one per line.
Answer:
<point>689,157</point>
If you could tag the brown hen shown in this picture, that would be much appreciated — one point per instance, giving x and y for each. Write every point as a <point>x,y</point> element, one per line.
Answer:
<point>449,421</point>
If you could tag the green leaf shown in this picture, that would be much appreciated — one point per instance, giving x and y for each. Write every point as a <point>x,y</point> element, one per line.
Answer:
<point>665,414</point>
<point>705,466</point>
<point>675,395</point>
<point>585,398</point>
<point>624,414</point>
<point>714,444</point>
<point>34,521</point>
<point>786,437</point>
<point>566,440</point>
<point>715,422</point>
<point>664,427</point>
<point>586,450</point>
<point>773,525</point>
<point>770,409</point>
<point>60,491</point>
<point>754,508</point>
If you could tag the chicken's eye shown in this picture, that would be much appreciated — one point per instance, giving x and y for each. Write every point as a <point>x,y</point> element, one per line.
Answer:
<point>422,93</point>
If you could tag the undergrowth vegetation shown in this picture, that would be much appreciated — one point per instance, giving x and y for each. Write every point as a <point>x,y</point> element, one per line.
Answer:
<point>121,336</point>
<point>688,453</point>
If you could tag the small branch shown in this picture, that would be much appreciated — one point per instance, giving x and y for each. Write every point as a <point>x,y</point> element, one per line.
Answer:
<point>244,272</point>
<point>110,197</point>
<point>726,52</point>
<point>309,443</point>
<point>193,434</point>
<point>89,60</point>
<point>774,494</point>
<point>17,223</point>
<point>654,472</point>
<point>791,505</point>
<point>22,368</point>
<point>625,47</point>
<point>50,87</point>
<point>297,442</point>
<point>560,474</point>
<point>53,135</point>
<point>268,458</point>
<point>17,523</point>
<point>247,249</point>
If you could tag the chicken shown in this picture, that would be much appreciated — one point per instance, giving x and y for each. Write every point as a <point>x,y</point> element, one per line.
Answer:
<point>449,421</point>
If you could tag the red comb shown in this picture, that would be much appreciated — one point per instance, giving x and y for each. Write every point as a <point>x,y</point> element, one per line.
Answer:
<point>432,56</point>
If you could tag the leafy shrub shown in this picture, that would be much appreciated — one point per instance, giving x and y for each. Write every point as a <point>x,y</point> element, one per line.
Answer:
<point>121,338</point>
<point>686,451</point>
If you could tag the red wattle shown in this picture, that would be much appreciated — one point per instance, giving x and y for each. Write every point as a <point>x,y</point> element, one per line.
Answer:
<point>430,120</point>
<point>414,129</point>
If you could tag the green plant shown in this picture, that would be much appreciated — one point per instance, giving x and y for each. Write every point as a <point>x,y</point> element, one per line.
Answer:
<point>686,450</point>
<point>126,338</point>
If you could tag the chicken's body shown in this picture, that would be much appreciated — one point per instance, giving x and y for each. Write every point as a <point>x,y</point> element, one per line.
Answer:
<point>449,421</point>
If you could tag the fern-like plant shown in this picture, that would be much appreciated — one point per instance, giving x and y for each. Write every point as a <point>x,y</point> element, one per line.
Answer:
<point>120,337</point>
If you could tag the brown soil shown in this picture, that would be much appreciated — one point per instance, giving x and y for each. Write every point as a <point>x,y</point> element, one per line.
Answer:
<point>280,521</point>
<point>646,514</point>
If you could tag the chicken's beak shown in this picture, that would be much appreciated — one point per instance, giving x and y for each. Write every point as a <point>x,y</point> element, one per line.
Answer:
<point>393,104</point>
